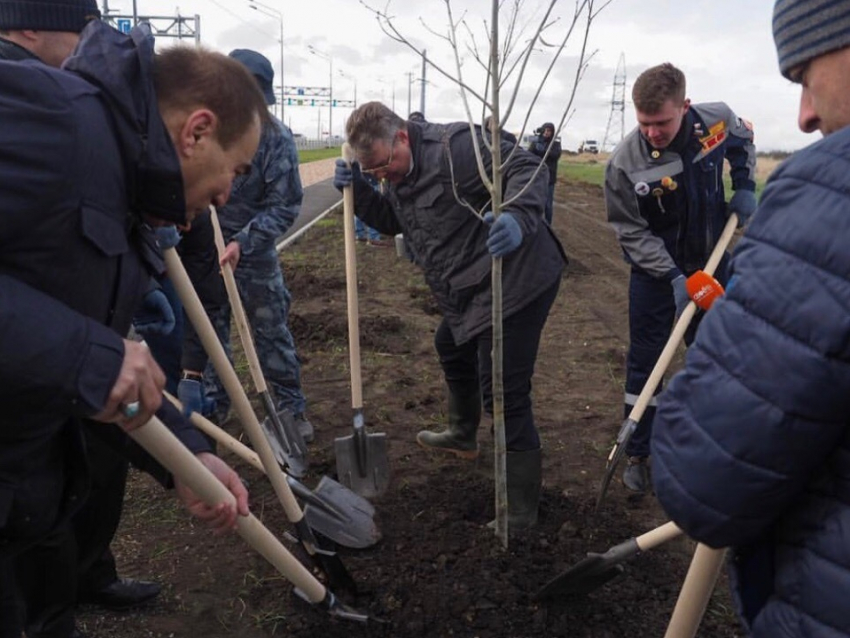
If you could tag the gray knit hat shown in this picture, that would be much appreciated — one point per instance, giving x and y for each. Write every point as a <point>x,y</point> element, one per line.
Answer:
<point>806,29</point>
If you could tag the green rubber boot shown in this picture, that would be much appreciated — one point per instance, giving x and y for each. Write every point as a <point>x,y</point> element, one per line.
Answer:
<point>459,436</point>
<point>524,473</point>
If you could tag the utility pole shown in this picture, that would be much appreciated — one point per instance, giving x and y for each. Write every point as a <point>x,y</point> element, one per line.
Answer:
<point>618,105</point>
<point>271,12</point>
<point>409,84</point>
<point>422,85</point>
<point>329,58</point>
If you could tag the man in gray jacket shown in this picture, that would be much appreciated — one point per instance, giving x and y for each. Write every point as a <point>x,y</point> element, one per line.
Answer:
<point>437,199</point>
<point>665,199</point>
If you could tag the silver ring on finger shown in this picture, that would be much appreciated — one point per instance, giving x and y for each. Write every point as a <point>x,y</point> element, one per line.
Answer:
<point>130,409</point>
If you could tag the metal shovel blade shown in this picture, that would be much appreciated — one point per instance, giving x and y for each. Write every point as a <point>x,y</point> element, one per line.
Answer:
<point>582,578</point>
<point>338,513</point>
<point>285,452</point>
<point>597,569</point>
<point>617,452</point>
<point>361,460</point>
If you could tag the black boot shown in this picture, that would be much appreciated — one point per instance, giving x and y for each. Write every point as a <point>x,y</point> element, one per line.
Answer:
<point>524,473</point>
<point>464,415</point>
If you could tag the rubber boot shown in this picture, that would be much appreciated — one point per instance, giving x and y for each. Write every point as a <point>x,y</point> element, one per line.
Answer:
<point>524,476</point>
<point>459,436</point>
<point>524,473</point>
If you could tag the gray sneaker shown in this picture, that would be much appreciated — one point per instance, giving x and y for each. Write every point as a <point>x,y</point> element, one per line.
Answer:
<point>636,474</point>
<point>305,428</point>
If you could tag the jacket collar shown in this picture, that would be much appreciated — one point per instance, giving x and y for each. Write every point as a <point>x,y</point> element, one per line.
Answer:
<point>13,51</point>
<point>121,67</point>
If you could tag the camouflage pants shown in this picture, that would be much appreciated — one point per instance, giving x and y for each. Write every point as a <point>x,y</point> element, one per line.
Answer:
<point>266,300</point>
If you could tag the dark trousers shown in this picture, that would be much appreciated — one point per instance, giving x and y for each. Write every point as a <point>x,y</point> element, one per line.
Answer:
<point>471,362</point>
<point>550,203</point>
<point>652,315</point>
<point>95,524</point>
<point>38,590</point>
<point>39,586</point>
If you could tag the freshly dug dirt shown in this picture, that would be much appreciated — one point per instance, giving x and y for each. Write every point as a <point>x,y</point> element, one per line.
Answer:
<point>439,571</point>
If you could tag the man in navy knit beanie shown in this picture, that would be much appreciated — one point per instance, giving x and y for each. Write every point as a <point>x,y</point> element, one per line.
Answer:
<point>751,446</point>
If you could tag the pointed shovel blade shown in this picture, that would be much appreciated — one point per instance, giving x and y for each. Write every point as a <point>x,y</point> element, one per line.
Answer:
<point>285,453</point>
<point>617,452</point>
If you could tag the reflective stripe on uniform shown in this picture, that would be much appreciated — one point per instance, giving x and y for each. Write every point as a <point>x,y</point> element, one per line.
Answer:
<point>631,399</point>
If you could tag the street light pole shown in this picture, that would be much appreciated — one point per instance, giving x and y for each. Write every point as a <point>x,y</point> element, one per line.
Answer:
<point>353,79</point>
<point>330,60</point>
<point>273,13</point>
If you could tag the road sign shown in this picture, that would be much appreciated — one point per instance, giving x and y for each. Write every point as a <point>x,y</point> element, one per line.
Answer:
<point>123,25</point>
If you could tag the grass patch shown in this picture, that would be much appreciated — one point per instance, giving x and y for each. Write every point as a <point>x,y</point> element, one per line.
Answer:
<point>594,173</point>
<point>306,156</point>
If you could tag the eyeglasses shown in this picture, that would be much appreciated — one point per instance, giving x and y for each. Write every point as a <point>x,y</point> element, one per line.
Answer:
<point>381,167</point>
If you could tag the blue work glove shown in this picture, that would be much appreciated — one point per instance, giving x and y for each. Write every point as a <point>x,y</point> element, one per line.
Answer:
<point>345,175</point>
<point>156,316</point>
<point>743,203</point>
<point>167,237</point>
<point>191,395</point>
<point>680,294</point>
<point>505,234</point>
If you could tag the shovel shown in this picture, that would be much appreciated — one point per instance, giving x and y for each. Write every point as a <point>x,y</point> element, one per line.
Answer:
<point>676,336</point>
<point>173,455</point>
<point>361,458</point>
<point>332,510</point>
<point>597,569</point>
<point>696,592</point>
<point>281,432</point>
<point>327,561</point>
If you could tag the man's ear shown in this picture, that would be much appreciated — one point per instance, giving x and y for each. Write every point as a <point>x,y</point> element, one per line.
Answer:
<point>686,105</point>
<point>403,136</point>
<point>197,129</point>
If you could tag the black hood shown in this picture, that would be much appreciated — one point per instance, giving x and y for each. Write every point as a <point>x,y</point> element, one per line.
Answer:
<point>121,66</point>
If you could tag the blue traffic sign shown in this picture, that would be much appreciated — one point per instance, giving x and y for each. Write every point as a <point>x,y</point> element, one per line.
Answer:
<point>123,25</point>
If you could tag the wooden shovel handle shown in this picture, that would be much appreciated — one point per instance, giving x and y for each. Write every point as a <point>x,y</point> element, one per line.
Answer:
<point>212,430</point>
<point>696,592</point>
<point>678,333</point>
<point>351,287</point>
<point>238,309</point>
<point>174,456</point>
<point>203,326</point>
<point>658,536</point>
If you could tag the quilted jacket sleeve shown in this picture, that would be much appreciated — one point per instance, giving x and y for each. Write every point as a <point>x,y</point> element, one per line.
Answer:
<point>764,398</point>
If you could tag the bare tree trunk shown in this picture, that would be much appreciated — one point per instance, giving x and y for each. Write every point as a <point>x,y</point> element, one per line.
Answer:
<point>499,447</point>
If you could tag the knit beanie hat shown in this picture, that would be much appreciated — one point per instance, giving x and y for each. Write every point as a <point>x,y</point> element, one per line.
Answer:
<point>806,29</point>
<point>47,15</point>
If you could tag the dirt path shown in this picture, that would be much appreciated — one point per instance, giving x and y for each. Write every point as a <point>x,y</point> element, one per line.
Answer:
<point>438,571</point>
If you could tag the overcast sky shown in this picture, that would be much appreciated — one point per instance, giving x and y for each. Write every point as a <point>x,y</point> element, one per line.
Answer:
<point>724,47</point>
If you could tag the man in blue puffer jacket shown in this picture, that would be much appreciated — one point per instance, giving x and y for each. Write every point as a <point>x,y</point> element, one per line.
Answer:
<point>751,445</point>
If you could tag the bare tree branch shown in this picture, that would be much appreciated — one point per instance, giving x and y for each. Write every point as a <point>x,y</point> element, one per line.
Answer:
<point>387,25</point>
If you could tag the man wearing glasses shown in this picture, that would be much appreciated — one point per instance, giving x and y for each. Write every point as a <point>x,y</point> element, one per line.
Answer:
<point>437,200</point>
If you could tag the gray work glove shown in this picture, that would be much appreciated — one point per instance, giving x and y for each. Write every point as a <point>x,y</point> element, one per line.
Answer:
<point>680,294</point>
